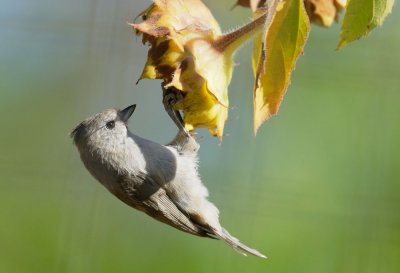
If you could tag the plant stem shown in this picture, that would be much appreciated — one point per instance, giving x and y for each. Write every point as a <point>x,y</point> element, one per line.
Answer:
<point>230,42</point>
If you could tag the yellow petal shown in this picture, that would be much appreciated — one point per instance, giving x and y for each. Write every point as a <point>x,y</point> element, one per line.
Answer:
<point>191,56</point>
<point>321,12</point>
<point>215,67</point>
<point>182,54</point>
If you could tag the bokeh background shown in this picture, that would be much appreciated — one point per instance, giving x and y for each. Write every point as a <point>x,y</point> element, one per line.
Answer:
<point>318,190</point>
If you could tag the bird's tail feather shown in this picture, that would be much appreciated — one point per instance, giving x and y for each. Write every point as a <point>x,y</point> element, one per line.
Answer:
<point>237,245</point>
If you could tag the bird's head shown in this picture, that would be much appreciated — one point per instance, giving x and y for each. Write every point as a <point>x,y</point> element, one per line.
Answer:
<point>104,128</point>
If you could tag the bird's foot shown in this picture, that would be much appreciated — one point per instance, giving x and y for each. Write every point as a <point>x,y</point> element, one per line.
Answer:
<point>170,99</point>
<point>184,140</point>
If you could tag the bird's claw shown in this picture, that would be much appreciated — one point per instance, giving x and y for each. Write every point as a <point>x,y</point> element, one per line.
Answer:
<point>170,98</point>
<point>184,141</point>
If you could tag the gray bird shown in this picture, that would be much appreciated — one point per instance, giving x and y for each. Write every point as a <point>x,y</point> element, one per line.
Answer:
<point>159,180</point>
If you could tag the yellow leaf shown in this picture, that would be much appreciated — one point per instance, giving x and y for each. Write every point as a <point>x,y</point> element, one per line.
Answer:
<point>275,59</point>
<point>362,16</point>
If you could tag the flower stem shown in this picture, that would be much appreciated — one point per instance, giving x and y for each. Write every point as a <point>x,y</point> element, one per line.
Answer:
<point>230,42</point>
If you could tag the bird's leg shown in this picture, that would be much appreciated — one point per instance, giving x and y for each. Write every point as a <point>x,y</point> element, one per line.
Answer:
<point>170,98</point>
<point>184,141</point>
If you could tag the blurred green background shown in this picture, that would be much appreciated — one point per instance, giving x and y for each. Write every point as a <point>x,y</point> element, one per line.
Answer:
<point>317,190</point>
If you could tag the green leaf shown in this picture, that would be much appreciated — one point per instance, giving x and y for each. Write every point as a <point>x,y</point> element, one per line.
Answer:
<point>362,16</point>
<point>275,55</point>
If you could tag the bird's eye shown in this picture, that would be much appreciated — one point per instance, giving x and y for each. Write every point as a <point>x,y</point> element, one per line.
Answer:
<point>110,125</point>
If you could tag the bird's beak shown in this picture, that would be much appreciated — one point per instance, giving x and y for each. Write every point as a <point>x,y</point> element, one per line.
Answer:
<point>126,113</point>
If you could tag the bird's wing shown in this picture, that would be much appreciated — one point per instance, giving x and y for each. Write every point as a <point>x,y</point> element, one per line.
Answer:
<point>150,198</point>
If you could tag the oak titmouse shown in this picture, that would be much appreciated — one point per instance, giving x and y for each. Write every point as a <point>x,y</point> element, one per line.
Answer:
<point>161,181</point>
